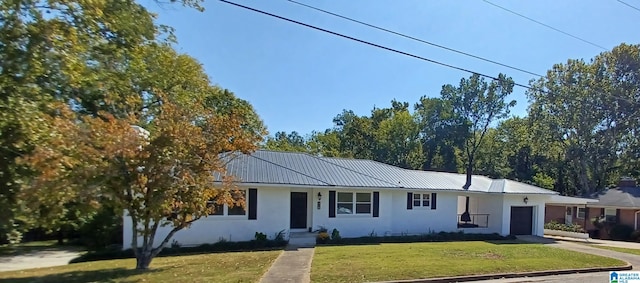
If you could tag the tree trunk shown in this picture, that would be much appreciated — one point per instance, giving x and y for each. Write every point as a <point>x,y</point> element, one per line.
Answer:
<point>467,184</point>
<point>143,260</point>
<point>60,237</point>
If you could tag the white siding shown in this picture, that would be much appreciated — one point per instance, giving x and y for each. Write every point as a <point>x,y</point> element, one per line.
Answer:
<point>484,204</point>
<point>421,220</point>
<point>356,225</point>
<point>272,216</point>
<point>535,201</point>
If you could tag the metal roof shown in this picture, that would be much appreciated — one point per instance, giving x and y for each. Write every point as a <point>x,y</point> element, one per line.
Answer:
<point>292,168</point>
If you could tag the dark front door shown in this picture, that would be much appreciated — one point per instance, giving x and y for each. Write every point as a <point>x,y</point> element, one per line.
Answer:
<point>521,220</point>
<point>298,210</point>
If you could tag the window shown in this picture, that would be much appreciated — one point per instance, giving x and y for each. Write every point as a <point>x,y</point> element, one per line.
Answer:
<point>421,200</point>
<point>610,214</point>
<point>582,211</point>
<point>348,201</point>
<point>224,209</point>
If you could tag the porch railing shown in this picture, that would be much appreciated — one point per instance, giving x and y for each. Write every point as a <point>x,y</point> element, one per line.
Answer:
<point>477,221</point>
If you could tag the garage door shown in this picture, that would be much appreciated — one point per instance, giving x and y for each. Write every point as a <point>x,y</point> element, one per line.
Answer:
<point>521,220</point>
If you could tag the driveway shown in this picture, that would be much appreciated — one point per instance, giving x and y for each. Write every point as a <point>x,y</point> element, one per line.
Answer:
<point>34,259</point>
<point>573,246</point>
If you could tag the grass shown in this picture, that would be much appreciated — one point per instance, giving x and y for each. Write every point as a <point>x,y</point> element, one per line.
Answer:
<point>429,260</point>
<point>218,267</point>
<point>617,249</point>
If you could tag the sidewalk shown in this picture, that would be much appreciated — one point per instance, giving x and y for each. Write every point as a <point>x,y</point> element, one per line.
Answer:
<point>45,258</point>
<point>293,265</point>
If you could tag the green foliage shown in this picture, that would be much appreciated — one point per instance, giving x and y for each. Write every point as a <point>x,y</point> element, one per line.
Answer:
<point>260,236</point>
<point>104,229</point>
<point>335,235</point>
<point>553,225</point>
<point>621,232</point>
<point>323,238</point>
<point>222,246</point>
<point>430,237</point>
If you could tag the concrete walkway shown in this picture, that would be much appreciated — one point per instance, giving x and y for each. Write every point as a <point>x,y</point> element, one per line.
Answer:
<point>44,258</point>
<point>293,265</point>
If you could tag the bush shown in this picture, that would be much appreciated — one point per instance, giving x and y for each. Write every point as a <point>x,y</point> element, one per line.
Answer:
<point>259,236</point>
<point>322,238</point>
<point>104,229</point>
<point>335,235</point>
<point>553,225</point>
<point>431,237</point>
<point>621,232</point>
<point>635,236</point>
<point>222,246</point>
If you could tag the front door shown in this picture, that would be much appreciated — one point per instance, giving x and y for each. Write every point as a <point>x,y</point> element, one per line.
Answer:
<point>298,210</point>
<point>521,220</point>
<point>568,217</point>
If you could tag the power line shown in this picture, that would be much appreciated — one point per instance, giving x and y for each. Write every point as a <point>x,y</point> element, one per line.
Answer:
<point>413,38</point>
<point>398,51</point>
<point>372,44</point>
<point>545,25</point>
<point>629,5</point>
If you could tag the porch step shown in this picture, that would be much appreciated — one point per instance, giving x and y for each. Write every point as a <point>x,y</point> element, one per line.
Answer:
<point>302,239</point>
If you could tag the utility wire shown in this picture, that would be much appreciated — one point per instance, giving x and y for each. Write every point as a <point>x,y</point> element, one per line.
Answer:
<point>413,38</point>
<point>398,51</point>
<point>629,5</point>
<point>372,44</point>
<point>545,25</point>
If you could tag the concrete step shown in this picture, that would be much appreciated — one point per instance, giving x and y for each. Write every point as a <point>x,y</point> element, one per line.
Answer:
<point>302,239</point>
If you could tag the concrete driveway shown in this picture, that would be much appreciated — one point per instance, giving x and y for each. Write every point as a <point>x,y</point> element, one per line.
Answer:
<point>35,259</point>
<point>578,247</point>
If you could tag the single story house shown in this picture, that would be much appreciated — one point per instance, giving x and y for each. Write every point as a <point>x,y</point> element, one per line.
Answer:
<point>618,205</point>
<point>298,192</point>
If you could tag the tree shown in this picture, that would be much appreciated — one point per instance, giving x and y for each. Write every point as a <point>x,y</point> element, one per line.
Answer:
<point>477,104</point>
<point>287,142</point>
<point>161,177</point>
<point>591,109</point>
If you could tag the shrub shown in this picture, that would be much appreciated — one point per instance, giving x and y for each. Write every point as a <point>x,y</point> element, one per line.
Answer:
<point>335,235</point>
<point>635,236</point>
<point>259,236</point>
<point>222,246</point>
<point>431,237</point>
<point>621,232</point>
<point>553,225</point>
<point>322,238</point>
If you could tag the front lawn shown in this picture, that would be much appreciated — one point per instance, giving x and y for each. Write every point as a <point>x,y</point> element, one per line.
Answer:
<point>218,267</point>
<point>383,262</point>
<point>617,249</point>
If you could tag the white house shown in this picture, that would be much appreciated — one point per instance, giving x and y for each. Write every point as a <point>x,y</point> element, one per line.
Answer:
<point>296,192</point>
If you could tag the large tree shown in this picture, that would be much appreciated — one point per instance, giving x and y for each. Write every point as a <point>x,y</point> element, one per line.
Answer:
<point>591,109</point>
<point>477,104</point>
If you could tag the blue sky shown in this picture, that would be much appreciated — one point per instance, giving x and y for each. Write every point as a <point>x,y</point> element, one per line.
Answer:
<point>298,79</point>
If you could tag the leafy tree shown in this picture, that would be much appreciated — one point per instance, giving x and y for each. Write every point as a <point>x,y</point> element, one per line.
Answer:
<point>591,109</point>
<point>440,134</point>
<point>477,104</point>
<point>287,142</point>
<point>161,177</point>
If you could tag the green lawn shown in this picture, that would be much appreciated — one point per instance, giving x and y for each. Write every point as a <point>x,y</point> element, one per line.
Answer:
<point>382,262</point>
<point>218,267</point>
<point>622,250</point>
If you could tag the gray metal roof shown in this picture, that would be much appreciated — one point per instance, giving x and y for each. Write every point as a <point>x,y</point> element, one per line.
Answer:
<point>618,197</point>
<point>291,168</point>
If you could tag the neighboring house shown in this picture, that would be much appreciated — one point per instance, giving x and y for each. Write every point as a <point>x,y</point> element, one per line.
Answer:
<point>619,205</point>
<point>568,210</point>
<point>299,192</point>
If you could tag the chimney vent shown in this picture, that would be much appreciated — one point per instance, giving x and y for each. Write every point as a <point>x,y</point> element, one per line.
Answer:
<point>627,182</point>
